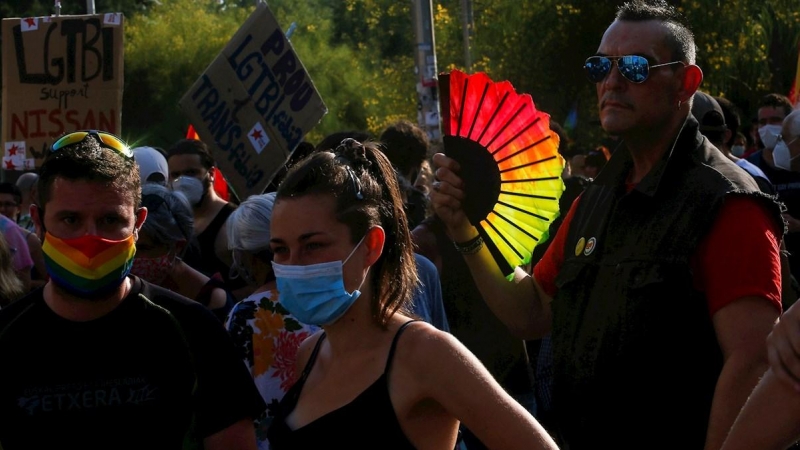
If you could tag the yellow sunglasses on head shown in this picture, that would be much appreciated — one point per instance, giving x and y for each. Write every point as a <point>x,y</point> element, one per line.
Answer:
<point>103,138</point>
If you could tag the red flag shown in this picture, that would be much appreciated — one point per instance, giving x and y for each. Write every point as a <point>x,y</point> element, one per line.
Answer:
<point>192,133</point>
<point>220,185</point>
<point>794,94</point>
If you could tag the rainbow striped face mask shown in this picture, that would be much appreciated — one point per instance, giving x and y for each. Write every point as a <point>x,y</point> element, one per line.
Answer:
<point>88,266</point>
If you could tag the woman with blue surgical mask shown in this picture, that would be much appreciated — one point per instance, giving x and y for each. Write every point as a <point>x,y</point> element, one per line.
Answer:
<point>373,377</point>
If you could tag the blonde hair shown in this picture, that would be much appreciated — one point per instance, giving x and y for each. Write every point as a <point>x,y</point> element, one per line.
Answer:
<point>11,288</point>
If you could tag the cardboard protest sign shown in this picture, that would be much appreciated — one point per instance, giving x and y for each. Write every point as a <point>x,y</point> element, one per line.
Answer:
<point>60,74</point>
<point>253,104</point>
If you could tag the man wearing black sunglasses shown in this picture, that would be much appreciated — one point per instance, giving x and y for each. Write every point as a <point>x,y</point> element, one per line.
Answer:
<point>652,307</point>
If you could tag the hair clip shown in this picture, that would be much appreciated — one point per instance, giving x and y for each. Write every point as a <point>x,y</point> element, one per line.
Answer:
<point>353,153</point>
<point>356,182</point>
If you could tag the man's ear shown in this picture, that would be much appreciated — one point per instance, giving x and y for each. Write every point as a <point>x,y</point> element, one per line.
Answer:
<point>692,77</point>
<point>180,245</point>
<point>212,174</point>
<point>374,241</point>
<point>141,215</point>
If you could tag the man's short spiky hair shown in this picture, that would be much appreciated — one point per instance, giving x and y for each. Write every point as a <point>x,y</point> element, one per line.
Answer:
<point>680,38</point>
<point>89,161</point>
<point>193,147</point>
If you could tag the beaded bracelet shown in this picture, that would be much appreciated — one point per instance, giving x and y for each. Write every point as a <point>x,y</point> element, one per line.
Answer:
<point>470,247</point>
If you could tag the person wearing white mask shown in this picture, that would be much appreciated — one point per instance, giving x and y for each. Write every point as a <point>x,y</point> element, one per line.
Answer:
<point>191,171</point>
<point>787,149</point>
<point>739,146</point>
<point>727,143</point>
<point>771,417</point>
<point>772,110</point>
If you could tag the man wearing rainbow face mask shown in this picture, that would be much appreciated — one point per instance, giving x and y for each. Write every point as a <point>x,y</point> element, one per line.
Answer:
<point>103,359</point>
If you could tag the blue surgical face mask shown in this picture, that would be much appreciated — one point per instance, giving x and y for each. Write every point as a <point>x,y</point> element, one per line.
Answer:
<point>315,294</point>
<point>737,150</point>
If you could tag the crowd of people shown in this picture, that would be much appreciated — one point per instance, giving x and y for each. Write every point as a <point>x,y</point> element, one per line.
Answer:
<point>354,305</point>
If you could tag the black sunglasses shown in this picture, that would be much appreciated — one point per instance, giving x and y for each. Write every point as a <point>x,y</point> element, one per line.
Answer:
<point>634,68</point>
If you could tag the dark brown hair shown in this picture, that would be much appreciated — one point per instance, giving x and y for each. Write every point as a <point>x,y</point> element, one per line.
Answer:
<point>88,160</point>
<point>363,182</point>
<point>13,190</point>
<point>776,101</point>
<point>680,38</point>
<point>406,146</point>
<point>192,147</point>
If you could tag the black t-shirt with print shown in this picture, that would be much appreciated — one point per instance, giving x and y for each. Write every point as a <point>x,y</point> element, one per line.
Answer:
<point>142,376</point>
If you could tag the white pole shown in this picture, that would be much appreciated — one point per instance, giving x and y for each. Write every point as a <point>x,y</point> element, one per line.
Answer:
<point>90,7</point>
<point>427,74</point>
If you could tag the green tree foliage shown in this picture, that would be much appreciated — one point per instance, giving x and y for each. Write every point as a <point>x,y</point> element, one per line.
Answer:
<point>541,48</point>
<point>746,49</point>
<point>381,33</point>
<point>360,53</point>
<point>166,50</point>
<point>38,8</point>
<point>338,69</point>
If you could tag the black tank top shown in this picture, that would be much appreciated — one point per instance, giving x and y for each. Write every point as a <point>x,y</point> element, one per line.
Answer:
<point>368,422</point>
<point>208,238</point>
<point>201,254</point>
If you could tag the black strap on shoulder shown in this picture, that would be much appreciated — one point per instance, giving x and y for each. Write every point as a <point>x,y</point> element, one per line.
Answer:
<point>311,360</point>
<point>209,235</point>
<point>394,344</point>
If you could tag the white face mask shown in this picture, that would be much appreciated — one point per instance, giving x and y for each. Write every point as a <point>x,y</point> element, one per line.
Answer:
<point>782,156</point>
<point>737,150</point>
<point>769,135</point>
<point>191,187</point>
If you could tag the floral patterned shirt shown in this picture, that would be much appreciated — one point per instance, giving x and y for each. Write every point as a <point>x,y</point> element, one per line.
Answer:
<point>269,336</point>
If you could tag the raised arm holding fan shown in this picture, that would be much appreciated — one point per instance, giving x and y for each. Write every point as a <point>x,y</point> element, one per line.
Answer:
<point>640,283</point>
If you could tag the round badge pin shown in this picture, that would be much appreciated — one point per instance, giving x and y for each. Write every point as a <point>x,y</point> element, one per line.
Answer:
<point>590,244</point>
<point>579,246</point>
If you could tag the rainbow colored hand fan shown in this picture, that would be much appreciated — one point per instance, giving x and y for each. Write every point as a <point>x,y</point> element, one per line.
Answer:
<point>509,163</point>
